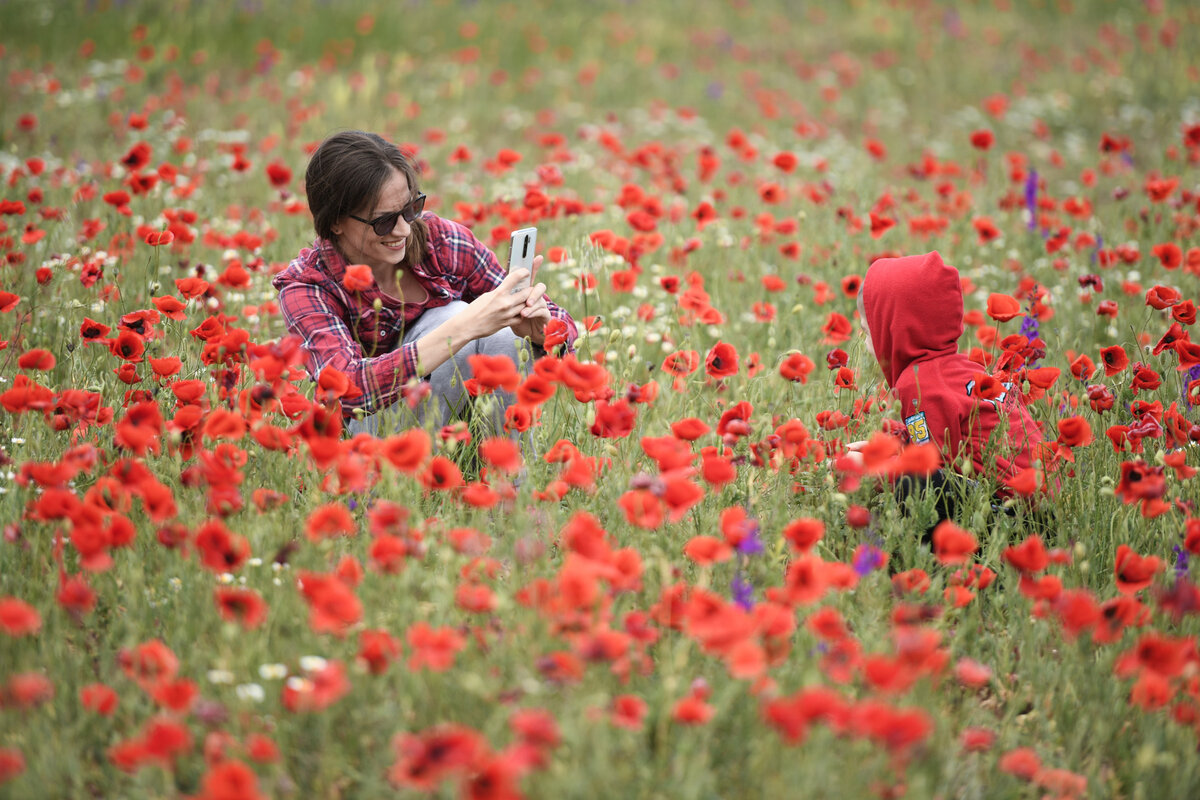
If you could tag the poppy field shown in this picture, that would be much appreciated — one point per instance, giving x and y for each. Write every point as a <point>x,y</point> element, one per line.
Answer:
<point>680,585</point>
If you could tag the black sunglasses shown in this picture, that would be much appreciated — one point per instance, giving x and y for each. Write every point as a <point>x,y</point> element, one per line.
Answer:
<point>383,225</point>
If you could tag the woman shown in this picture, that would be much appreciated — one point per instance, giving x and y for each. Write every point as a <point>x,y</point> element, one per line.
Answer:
<point>435,294</point>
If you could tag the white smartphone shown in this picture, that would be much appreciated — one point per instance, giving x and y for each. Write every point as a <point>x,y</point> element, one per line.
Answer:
<point>522,246</point>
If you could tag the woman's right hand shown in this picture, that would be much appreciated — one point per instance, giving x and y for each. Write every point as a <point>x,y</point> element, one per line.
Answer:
<point>500,308</point>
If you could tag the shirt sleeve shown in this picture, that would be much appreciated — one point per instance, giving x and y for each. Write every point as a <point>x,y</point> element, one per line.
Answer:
<point>319,318</point>
<point>475,263</point>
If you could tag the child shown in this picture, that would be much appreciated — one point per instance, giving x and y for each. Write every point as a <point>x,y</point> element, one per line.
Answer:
<point>912,314</point>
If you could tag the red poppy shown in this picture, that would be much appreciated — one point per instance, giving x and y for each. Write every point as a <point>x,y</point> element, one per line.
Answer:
<point>1134,572</point>
<point>952,544</point>
<point>1161,297</point>
<point>494,372</point>
<point>433,648</point>
<point>377,649</point>
<point>99,698</point>
<point>692,710</point>
<point>721,361</point>
<point>318,690</point>
<point>982,139</point>
<point>837,328</point>
<point>706,550</point>
<point>333,606</point>
<point>796,367</point>
<point>681,363</point>
<point>18,618</point>
<point>803,534</point>
<point>642,509</point>
<point>1074,432</point>
<point>328,521</point>
<point>1022,762</point>
<point>1083,367</point>
<point>1114,358</point>
<point>424,760</point>
<point>1029,557</point>
<point>358,278</point>
<point>241,605</point>
<point>628,711</point>
<point>37,359</point>
<point>1003,307</point>
<point>442,474</point>
<point>229,780</point>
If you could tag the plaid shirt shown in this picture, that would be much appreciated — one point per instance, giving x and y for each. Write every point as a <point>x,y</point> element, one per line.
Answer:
<point>342,329</point>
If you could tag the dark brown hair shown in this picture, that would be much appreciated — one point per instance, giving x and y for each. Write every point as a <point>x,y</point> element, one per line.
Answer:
<point>345,176</point>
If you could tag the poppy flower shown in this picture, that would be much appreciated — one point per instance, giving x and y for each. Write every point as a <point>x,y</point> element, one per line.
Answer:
<point>98,698</point>
<point>18,618</point>
<point>721,361</point>
<point>37,359</point>
<point>358,278</point>
<point>1022,762</point>
<point>642,509</point>
<point>971,673</point>
<point>628,711</point>
<point>328,521</point>
<point>1134,572</point>
<point>804,533</point>
<point>1083,367</point>
<point>1114,358</point>
<point>1161,297</point>
<point>1029,557</point>
<point>433,648</point>
<point>689,429</point>
<point>241,605</point>
<point>796,368</point>
<point>977,740</point>
<point>681,363</point>
<point>1003,307</point>
<point>318,690</point>
<point>377,649</point>
<point>837,328</point>
<point>1184,312</point>
<point>229,780</point>
<point>441,474</point>
<point>1074,432</point>
<point>692,710</point>
<point>982,139</point>
<point>707,550</point>
<point>952,544</point>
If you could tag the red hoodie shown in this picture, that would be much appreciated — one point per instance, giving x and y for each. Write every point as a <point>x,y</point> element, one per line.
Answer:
<point>914,312</point>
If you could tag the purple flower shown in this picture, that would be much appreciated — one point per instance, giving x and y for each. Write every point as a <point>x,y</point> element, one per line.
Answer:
<point>1181,561</point>
<point>1031,189</point>
<point>867,559</point>
<point>743,593</point>
<point>750,545</point>
<point>1191,375</point>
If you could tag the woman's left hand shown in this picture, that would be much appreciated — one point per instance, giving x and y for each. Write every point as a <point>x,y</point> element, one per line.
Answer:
<point>535,315</point>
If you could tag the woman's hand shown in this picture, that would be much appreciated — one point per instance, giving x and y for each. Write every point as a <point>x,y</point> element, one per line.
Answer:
<point>502,307</point>
<point>534,315</point>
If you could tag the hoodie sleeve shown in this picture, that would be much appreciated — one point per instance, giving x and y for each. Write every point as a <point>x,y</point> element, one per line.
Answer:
<point>317,315</point>
<point>932,411</point>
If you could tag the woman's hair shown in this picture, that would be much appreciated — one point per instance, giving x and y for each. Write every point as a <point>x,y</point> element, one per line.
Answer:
<point>345,176</point>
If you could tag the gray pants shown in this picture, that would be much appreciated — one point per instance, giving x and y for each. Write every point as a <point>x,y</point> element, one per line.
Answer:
<point>448,399</point>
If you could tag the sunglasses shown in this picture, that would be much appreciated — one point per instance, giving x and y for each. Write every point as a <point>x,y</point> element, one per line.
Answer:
<point>385,224</point>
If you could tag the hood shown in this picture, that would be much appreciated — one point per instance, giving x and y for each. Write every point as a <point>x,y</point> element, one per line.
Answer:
<point>914,311</point>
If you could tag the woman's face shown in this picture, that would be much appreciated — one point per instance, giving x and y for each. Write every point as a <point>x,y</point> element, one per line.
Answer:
<point>361,245</point>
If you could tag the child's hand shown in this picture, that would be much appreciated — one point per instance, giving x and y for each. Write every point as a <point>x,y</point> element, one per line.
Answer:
<point>854,454</point>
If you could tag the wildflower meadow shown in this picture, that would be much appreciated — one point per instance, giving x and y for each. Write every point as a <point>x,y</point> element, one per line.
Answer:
<point>678,584</point>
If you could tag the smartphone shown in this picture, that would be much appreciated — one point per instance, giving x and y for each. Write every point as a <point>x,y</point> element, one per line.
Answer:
<point>522,246</point>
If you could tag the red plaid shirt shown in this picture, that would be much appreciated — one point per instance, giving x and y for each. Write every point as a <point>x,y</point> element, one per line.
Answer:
<point>342,329</point>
